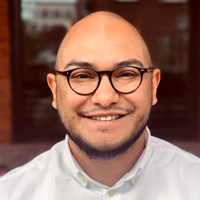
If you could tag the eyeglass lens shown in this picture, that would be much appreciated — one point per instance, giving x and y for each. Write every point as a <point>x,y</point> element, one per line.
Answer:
<point>124,79</point>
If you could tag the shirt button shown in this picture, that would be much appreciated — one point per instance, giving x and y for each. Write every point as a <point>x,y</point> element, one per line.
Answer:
<point>86,179</point>
<point>136,177</point>
<point>111,193</point>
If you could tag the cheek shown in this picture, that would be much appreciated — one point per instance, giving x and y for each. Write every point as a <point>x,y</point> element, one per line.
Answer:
<point>146,89</point>
<point>69,101</point>
<point>141,98</point>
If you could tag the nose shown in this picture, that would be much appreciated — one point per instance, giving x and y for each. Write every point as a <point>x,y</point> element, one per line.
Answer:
<point>105,95</point>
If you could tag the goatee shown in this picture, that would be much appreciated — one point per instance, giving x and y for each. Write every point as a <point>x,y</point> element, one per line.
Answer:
<point>107,151</point>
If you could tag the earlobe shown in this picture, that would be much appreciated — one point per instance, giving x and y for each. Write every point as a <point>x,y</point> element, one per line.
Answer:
<point>155,83</point>
<point>51,80</point>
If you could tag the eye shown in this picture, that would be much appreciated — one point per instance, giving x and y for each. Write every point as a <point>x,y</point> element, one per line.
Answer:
<point>127,74</point>
<point>81,76</point>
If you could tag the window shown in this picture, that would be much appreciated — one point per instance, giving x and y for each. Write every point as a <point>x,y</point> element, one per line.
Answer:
<point>69,15</point>
<point>44,14</point>
<point>172,43</point>
<point>56,14</point>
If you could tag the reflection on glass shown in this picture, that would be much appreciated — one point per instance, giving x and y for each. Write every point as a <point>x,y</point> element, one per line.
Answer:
<point>45,22</point>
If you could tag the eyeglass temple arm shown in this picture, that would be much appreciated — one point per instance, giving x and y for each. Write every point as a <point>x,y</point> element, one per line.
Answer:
<point>150,69</point>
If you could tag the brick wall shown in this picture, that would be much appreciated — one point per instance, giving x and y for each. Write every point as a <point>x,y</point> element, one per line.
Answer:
<point>5,78</point>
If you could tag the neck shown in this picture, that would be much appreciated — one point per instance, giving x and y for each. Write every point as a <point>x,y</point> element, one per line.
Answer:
<point>109,172</point>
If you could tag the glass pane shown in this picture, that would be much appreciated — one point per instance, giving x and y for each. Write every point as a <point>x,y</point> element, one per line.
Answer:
<point>169,41</point>
<point>44,24</point>
<point>166,29</point>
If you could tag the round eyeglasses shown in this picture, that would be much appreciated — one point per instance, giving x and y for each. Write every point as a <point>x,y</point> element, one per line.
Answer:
<point>124,79</point>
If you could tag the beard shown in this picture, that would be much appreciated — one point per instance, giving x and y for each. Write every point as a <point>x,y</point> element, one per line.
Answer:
<point>106,151</point>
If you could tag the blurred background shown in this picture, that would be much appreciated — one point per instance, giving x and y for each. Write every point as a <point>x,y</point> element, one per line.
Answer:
<point>30,34</point>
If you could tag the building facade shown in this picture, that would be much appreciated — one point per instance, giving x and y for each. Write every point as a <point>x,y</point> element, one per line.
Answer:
<point>5,75</point>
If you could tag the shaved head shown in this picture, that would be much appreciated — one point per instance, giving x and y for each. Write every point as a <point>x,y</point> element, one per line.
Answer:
<point>97,23</point>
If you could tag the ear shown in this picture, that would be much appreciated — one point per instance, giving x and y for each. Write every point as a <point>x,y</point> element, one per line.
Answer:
<point>51,80</point>
<point>155,83</point>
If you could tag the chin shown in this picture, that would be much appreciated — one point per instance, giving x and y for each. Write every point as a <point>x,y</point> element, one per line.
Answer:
<point>105,150</point>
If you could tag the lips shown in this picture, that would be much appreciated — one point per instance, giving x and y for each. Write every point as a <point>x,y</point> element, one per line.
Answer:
<point>106,118</point>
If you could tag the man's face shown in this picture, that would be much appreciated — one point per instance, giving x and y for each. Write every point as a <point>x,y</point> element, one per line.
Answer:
<point>104,48</point>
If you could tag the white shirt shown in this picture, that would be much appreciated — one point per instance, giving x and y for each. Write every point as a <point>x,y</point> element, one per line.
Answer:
<point>163,172</point>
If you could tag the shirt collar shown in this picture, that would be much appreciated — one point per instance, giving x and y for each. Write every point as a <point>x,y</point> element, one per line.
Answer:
<point>78,173</point>
<point>143,161</point>
<point>72,165</point>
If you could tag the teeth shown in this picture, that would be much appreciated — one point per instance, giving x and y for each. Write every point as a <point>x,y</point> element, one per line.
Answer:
<point>105,118</point>
<point>108,118</point>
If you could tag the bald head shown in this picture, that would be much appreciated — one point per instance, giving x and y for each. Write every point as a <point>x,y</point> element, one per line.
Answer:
<point>100,26</point>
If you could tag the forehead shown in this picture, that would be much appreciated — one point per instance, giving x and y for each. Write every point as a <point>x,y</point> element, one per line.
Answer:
<point>101,42</point>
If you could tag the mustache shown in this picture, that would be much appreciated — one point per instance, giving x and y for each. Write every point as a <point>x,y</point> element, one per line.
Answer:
<point>125,109</point>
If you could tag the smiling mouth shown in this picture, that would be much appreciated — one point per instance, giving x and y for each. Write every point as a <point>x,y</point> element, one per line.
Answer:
<point>106,118</point>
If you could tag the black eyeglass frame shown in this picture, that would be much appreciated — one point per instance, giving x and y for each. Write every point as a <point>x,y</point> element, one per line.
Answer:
<point>68,72</point>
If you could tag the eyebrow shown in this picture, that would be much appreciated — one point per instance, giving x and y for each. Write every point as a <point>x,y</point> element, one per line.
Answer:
<point>90,65</point>
<point>130,62</point>
<point>78,64</point>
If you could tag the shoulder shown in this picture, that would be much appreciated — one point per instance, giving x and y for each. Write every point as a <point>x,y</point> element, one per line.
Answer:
<point>34,167</point>
<point>174,158</point>
<point>162,146</point>
<point>170,172</point>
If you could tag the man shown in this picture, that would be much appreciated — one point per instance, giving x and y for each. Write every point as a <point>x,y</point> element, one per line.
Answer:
<point>104,87</point>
